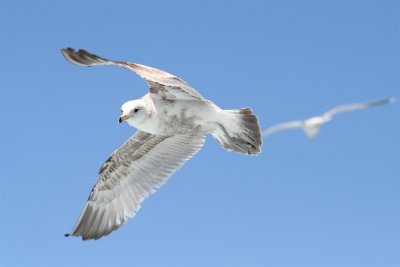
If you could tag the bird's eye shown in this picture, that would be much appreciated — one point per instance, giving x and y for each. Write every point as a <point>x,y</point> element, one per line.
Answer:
<point>135,110</point>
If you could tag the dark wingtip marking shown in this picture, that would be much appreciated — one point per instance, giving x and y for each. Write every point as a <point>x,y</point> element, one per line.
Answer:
<point>67,235</point>
<point>67,50</point>
<point>81,57</point>
<point>68,53</point>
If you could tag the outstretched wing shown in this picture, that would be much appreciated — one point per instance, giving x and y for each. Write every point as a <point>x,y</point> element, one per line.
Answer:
<point>129,175</point>
<point>356,106</point>
<point>162,84</point>
<point>282,126</point>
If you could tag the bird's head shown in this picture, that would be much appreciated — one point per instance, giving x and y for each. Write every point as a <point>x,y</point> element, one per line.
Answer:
<point>134,112</point>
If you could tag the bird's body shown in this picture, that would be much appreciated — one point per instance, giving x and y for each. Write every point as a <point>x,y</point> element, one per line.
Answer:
<point>172,120</point>
<point>312,125</point>
<point>170,117</point>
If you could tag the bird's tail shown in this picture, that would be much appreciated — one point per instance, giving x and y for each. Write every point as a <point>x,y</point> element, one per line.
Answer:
<point>238,130</point>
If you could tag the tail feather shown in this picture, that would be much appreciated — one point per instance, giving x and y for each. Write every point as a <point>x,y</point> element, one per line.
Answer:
<point>239,131</point>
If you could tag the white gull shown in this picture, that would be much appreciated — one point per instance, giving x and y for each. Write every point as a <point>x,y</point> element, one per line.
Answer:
<point>171,121</point>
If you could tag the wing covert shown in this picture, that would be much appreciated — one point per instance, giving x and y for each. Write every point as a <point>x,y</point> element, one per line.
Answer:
<point>161,84</point>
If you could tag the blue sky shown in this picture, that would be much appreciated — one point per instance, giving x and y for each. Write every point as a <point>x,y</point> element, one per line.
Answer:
<point>332,201</point>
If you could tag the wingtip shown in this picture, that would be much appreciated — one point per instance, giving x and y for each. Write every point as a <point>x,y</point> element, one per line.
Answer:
<point>67,53</point>
<point>63,51</point>
<point>82,57</point>
<point>67,235</point>
<point>78,57</point>
<point>66,50</point>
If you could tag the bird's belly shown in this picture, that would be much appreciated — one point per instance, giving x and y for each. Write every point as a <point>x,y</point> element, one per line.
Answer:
<point>181,117</point>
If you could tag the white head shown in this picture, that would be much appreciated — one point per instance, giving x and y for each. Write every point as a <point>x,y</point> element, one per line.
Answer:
<point>134,112</point>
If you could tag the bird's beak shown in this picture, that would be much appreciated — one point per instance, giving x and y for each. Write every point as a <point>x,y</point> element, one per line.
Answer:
<point>122,118</point>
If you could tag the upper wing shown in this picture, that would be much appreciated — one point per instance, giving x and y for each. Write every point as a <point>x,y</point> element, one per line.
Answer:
<point>282,126</point>
<point>356,106</point>
<point>162,84</point>
<point>129,175</point>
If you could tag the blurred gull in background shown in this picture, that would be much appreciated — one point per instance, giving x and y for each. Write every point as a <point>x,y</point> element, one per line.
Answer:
<point>312,126</point>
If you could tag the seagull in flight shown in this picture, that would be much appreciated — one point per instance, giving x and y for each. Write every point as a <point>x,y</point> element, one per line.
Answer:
<point>171,120</point>
<point>312,126</point>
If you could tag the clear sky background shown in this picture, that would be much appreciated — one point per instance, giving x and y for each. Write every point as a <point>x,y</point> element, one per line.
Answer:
<point>332,201</point>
